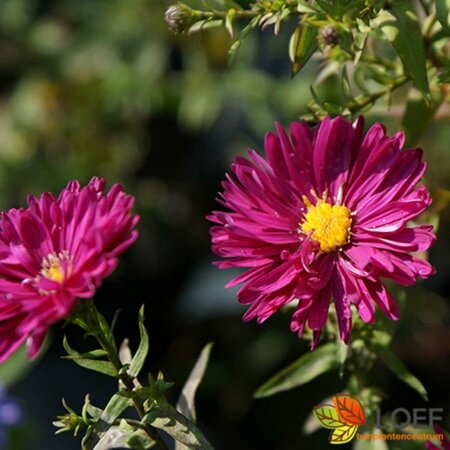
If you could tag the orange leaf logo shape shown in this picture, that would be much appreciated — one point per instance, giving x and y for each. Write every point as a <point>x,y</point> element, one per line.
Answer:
<point>343,418</point>
<point>349,410</point>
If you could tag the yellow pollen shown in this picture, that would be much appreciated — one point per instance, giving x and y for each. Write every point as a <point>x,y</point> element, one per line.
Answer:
<point>330,225</point>
<point>53,269</point>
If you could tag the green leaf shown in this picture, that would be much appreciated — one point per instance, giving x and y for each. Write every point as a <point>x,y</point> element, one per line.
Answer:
<point>18,365</point>
<point>341,355</point>
<point>311,424</point>
<point>360,40</point>
<point>210,24</point>
<point>345,86</point>
<point>105,328</point>
<point>114,321</point>
<point>90,409</point>
<point>244,33</point>
<point>139,441</point>
<point>397,366</point>
<point>406,36</point>
<point>328,416</point>
<point>139,358</point>
<point>304,7</point>
<point>88,355</point>
<point>372,445</point>
<point>329,8</point>
<point>418,115</point>
<point>229,21</point>
<point>197,26</point>
<point>302,45</point>
<point>116,405</point>
<point>305,369</point>
<point>124,436</point>
<point>104,367</point>
<point>316,97</point>
<point>155,390</point>
<point>443,13</point>
<point>167,418</point>
<point>186,402</point>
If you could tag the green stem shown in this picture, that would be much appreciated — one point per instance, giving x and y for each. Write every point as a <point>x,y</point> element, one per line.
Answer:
<point>239,14</point>
<point>360,104</point>
<point>244,13</point>
<point>425,6</point>
<point>131,422</point>
<point>104,341</point>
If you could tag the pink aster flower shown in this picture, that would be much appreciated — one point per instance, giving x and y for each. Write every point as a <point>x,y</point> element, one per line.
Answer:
<point>324,216</point>
<point>56,251</point>
<point>445,443</point>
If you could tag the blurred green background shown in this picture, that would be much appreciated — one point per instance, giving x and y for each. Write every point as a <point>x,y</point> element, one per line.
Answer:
<point>101,87</point>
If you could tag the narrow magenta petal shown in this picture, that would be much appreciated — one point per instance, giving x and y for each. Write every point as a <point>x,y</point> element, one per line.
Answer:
<point>317,316</point>
<point>56,251</point>
<point>265,202</point>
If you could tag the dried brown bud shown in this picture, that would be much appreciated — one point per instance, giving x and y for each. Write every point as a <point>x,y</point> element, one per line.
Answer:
<point>179,17</point>
<point>330,35</point>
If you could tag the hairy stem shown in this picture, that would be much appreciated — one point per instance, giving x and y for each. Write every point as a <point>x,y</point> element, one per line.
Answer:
<point>104,341</point>
<point>361,103</point>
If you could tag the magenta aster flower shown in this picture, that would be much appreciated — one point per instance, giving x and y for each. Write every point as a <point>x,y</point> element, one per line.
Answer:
<point>56,251</point>
<point>445,443</point>
<point>323,216</point>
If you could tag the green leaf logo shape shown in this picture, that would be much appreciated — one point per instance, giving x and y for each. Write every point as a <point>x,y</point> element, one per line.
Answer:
<point>343,418</point>
<point>328,416</point>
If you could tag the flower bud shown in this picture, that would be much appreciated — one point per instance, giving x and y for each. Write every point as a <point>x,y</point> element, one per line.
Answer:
<point>330,35</point>
<point>179,17</point>
<point>69,422</point>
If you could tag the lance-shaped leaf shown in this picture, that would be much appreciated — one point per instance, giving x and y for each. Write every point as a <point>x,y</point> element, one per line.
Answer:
<point>139,358</point>
<point>372,445</point>
<point>302,45</point>
<point>87,360</point>
<point>305,369</point>
<point>167,418</point>
<point>89,410</point>
<point>105,329</point>
<point>406,36</point>
<point>418,115</point>
<point>397,366</point>
<point>116,405</point>
<point>304,7</point>
<point>349,410</point>
<point>343,434</point>
<point>443,13</point>
<point>328,416</point>
<point>341,355</point>
<point>125,436</point>
<point>186,402</point>
<point>229,21</point>
<point>18,365</point>
<point>240,39</point>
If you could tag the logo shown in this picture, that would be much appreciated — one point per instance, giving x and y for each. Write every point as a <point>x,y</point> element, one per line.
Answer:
<point>343,418</point>
<point>346,414</point>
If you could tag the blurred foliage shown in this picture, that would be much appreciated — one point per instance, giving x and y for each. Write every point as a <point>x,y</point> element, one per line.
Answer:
<point>376,46</point>
<point>104,87</point>
<point>108,428</point>
<point>80,82</point>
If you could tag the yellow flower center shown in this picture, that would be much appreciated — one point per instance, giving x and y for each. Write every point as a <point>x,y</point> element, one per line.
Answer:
<point>330,225</point>
<point>54,269</point>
